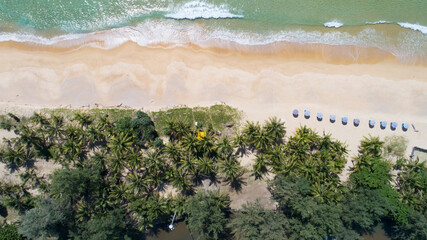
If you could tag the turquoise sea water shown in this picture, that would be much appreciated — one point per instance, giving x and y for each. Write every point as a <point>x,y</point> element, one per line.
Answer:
<point>394,26</point>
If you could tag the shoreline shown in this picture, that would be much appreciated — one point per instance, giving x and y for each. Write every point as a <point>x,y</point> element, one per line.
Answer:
<point>289,51</point>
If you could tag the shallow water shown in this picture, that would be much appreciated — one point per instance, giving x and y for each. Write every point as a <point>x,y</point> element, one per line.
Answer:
<point>180,232</point>
<point>394,26</point>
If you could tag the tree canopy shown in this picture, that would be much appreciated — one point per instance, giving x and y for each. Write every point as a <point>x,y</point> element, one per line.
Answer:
<point>207,214</point>
<point>118,179</point>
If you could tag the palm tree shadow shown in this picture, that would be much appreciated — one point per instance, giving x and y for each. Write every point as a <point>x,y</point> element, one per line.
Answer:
<point>12,167</point>
<point>29,164</point>
<point>213,180</point>
<point>161,187</point>
<point>237,184</point>
<point>198,180</point>
<point>241,151</point>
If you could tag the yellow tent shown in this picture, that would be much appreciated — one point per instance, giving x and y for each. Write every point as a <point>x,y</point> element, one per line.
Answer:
<point>201,135</point>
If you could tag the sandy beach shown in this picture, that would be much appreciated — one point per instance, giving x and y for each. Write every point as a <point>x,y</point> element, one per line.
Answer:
<point>261,85</point>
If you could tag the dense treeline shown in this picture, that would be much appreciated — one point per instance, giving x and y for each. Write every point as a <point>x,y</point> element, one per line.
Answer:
<point>117,172</point>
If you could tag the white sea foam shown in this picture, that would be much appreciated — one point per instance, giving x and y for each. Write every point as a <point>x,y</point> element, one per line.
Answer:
<point>378,22</point>
<point>333,24</point>
<point>415,27</point>
<point>198,9</point>
<point>156,32</point>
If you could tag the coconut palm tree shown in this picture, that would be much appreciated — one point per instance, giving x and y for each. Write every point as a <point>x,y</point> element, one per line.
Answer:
<point>191,144</point>
<point>173,152</point>
<point>260,166</point>
<point>206,166</point>
<point>250,130</point>
<point>308,169</point>
<point>105,126</point>
<point>72,151</point>
<point>55,128</point>
<point>189,165</point>
<point>155,162</point>
<point>120,144</point>
<point>134,160</point>
<point>225,147</point>
<point>137,182</point>
<point>83,119</point>
<point>263,141</point>
<point>94,137</point>
<point>333,153</point>
<point>119,193</point>
<point>412,183</point>
<point>230,169</point>
<point>29,137</point>
<point>207,146</point>
<point>239,141</point>
<point>176,129</point>
<point>371,146</point>
<point>84,212</point>
<point>17,157</point>
<point>39,119</point>
<point>275,128</point>
<point>182,182</point>
<point>277,158</point>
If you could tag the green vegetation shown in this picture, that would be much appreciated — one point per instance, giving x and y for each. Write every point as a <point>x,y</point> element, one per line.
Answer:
<point>207,214</point>
<point>395,147</point>
<point>117,168</point>
<point>9,232</point>
<point>254,222</point>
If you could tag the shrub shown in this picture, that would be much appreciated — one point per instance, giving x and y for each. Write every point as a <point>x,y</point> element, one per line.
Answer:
<point>46,220</point>
<point>9,232</point>
<point>395,147</point>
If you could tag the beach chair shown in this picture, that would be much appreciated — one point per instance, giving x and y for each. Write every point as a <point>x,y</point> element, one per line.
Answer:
<point>344,120</point>
<point>393,125</point>
<point>332,118</point>
<point>356,122</point>
<point>383,124</point>
<point>306,114</point>
<point>413,126</point>
<point>295,113</point>
<point>405,127</point>
<point>371,123</point>
<point>319,116</point>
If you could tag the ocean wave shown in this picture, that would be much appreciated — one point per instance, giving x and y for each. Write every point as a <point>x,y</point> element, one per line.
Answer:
<point>378,22</point>
<point>333,24</point>
<point>415,27</point>
<point>168,32</point>
<point>197,9</point>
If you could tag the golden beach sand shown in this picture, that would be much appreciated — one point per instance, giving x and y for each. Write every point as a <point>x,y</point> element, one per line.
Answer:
<point>260,84</point>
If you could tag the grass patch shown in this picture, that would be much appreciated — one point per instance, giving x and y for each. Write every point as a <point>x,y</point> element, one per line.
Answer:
<point>217,115</point>
<point>201,116</point>
<point>222,114</point>
<point>113,113</point>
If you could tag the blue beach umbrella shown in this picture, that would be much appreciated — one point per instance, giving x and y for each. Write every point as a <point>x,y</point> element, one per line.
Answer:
<point>332,118</point>
<point>344,120</point>
<point>356,122</point>
<point>405,127</point>
<point>383,124</point>
<point>371,123</point>
<point>393,125</point>
<point>306,114</point>
<point>319,116</point>
<point>295,112</point>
